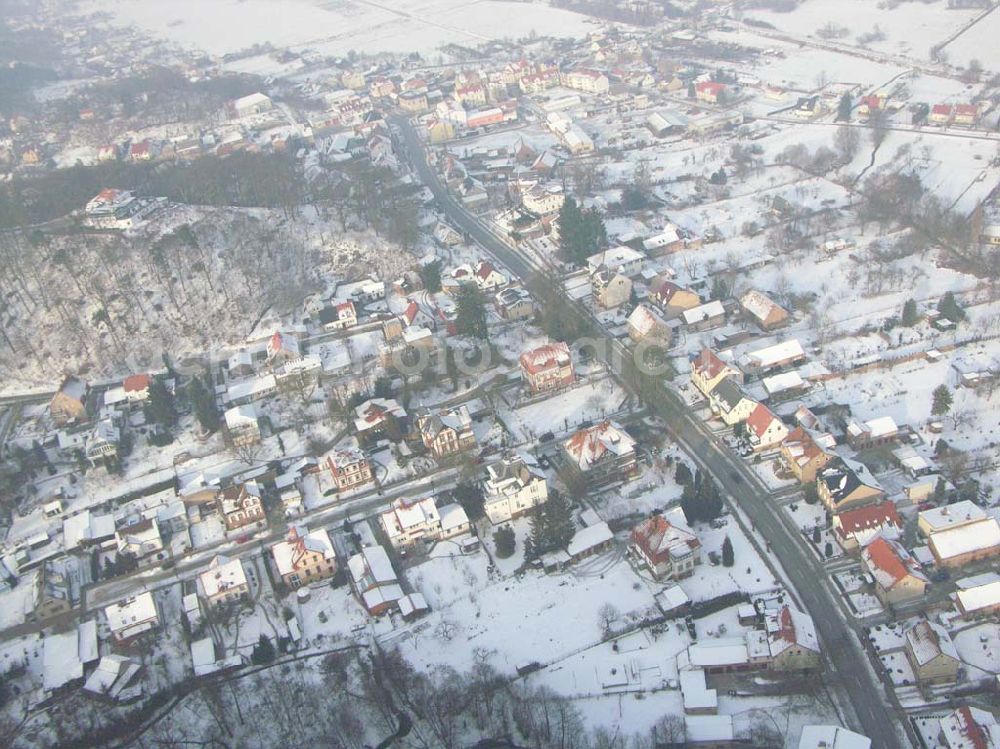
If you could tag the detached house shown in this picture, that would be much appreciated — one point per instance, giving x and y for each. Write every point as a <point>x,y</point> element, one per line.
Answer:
<point>932,654</point>
<point>969,728</point>
<point>666,546</point>
<point>514,303</point>
<point>379,418</point>
<point>897,575</point>
<point>547,367</point>
<point>242,425</point>
<point>224,582</point>
<point>132,617</point>
<point>514,486</point>
<point>968,543</point>
<point>349,468</point>
<point>602,454</point>
<point>282,347</point>
<point>304,557</point>
<point>844,483</point>
<point>408,521</point>
<point>763,310</point>
<point>804,455</point>
<point>448,432</point>
<point>610,289</point>
<point>764,430</point>
<point>708,370</point>
<point>645,324</point>
<point>792,641</point>
<point>241,507</point>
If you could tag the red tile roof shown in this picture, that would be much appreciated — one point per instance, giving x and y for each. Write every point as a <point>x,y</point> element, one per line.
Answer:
<point>546,357</point>
<point>760,419</point>
<point>864,518</point>
<point>136,383</point>
<point>883,556</point>
<point>707,364</point>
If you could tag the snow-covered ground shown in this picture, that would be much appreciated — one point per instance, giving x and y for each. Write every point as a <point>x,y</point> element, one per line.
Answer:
<point>335,28</point>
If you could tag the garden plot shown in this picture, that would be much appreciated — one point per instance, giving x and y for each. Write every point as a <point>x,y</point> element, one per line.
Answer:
<point>511,626</point>
<point>591,401</point>
<point>329,616</point>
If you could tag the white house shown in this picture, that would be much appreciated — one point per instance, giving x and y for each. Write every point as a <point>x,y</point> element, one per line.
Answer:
<point>132,617</point>
<point>408,521</point>
<point>513,486</point>
<point>621,259</point>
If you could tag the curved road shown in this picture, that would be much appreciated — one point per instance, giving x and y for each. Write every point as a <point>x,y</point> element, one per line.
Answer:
<point>848,664</point>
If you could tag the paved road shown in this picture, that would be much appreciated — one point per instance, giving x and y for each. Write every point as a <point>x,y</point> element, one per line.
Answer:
<point>848,664</point>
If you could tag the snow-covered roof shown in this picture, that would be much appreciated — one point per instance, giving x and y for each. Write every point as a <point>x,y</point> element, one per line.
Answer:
<point>586,539</point>
<point>203,656</point>
<point>703,312</point>
<point>724,651</point>
<point>452,516</point>
<point>61,662</point>
<point>970,728</point>
<point>789,627</point>
<point>371,567</point>
<point>130,612</point>
<point>590,445</point>
<point>781,382</point>
<point>287,553</point>
<point>951,516</point>
<point>832,737</point>
<point>979,597</point>
<point>975,536</point>
<point>223,574</point>
<point>695,691</point>
<point>928,640</point>
<point>405,514</point>
<point>770,356</point>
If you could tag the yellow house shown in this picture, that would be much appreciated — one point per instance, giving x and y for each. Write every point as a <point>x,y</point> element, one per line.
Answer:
<point>803,455</point>
<point>896,574</point>
<point>847,484</point>
<point>932,654</point>
<point>304,558</point>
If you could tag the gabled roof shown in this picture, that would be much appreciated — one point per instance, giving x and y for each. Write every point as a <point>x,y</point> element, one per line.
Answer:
<point>729,393</point>
<point>889,563</point>
<point>659,538</point>
<point>868,518</point>
<point>708,364</point>
<point>136,383</point>
<point>760,420</point>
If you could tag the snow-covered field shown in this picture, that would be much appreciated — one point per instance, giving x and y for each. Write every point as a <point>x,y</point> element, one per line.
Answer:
<point>222,27</point>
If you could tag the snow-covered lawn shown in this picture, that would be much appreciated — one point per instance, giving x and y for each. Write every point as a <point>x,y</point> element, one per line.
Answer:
<point>979,646</point>
<point>590,401</point>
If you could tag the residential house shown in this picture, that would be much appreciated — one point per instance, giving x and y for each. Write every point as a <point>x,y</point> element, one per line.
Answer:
<point>709,92</point>
<point>487,277</point>
<point>966,114</point>
<point>448,432</point>
<point>791,638</point>
<point>969,728</point>
<point>132,617</point>
<point>856,527</point>
<point>804,454</point>
<point>941,114</point>
<point>673,299</point>
<point>897,575</point>
<point>708,370</point>
<point>514,303</point>
<point>931,653</point>
<point>873,433</point>
<point>224,582</point>
<point>136,387</point>
<point>139,537</point>
<point>102,443</point>
<point>514,485</point>
<point>646,325</point>
<point>304,557</point>
<point>972,542</point>
<point>764,430</point>
<point>408,521</point>
<point>281,348</point>
<point>704,316</point>
<point>542,202</point>
<point>242,425</point>
<point>847,483</point>
<point>241,507</point>
<point>610,289</point>
<point>622,260</point>
<point>784,354</point>
<point>340,316</point>
<point>763,310</point>
<point>728,401</point>
<point>454,521</point>
<point>51,595</point>
<point>602,454</point>
<point>667,241</point>
<point>589,81</point>
<point>666,546</point>
<point>374,581</point>
<point>379,418</point>
<point>69,404</point>
<point>548,367</point>
<point>349,468</point>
